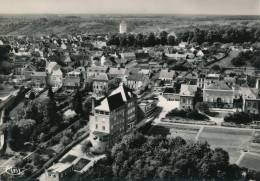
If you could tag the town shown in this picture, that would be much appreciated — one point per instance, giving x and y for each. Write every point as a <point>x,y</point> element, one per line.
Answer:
<point>75,104</point>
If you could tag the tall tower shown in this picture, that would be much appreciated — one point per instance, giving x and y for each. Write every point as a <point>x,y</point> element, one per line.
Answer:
<point>123,27</point>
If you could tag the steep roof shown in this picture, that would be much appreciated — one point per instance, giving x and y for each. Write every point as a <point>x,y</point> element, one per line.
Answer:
<point>115,101</point>
<point>125,92</point>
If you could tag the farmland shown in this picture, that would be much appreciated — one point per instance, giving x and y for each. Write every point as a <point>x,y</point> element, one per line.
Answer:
<point>39,25</point>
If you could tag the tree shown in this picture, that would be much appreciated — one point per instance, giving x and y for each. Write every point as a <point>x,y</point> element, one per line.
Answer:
<point>158,157</point>
<point>150,40</point>
<point>163,37</point>
<point>203,107</point>
<point>86,147</point>
<point>77,102</point>
<point>65,140</point>
<point>50,93</point>
<point>171,40</point>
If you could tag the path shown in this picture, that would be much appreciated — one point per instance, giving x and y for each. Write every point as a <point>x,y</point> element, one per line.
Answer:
<point>198,134</point>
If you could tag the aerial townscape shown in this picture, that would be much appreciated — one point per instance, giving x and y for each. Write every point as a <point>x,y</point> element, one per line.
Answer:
<point>129,97</point>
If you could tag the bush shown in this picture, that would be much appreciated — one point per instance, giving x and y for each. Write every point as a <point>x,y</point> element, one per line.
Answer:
<point>238,118</point>
<point>195,115</point>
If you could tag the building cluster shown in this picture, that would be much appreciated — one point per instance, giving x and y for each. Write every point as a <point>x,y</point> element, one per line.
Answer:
<point>120,78</point>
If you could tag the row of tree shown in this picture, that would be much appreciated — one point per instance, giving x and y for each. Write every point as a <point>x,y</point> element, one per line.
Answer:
<point>247,58</point>
<point>151,39</point>
<point>224,34</point>
<point>211,34</point>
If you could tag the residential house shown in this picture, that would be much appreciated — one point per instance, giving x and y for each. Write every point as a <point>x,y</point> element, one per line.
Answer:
<point>100,85</point>
<point>72,80</point>
<point>167,76</point>
<point>59,172</point>
<point>128,56</point>
<point>187,94</point>
<point>93,71</point>
<point>27,71</point>
<point>137,82</point>
<point>39,79</point>
<point>171,94</point>
<point>118,73</point>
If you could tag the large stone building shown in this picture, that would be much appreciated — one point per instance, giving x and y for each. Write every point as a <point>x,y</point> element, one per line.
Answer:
<point>112,118</point>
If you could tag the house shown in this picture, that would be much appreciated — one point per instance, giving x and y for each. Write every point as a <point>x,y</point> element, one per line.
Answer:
<point>187,94</point>
<point>54,75</point>
<point>167,76</point>
<point>118,73</point>
<point>171,94</point>
<point>72,80</point>
<point>218,94</point>
<point>100,84</point>
<point>93,71</point>
<point>176,56</point>
<point>39,79</point>
<point>137,82</point>
<point>111,119</point>
<point>191,78</point>
<point>128,56</point>
<point>59,171</point>
<point>27,71</point>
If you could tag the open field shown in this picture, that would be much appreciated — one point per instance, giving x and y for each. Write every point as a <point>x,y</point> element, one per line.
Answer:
<point>39,25</point>
<point>226,62</point>
<point>251,161</point>
<point>232,140</point>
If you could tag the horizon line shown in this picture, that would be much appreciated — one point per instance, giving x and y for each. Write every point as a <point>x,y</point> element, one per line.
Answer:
<point>132,14</point>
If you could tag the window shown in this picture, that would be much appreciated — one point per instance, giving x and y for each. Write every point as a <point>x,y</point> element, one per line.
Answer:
<point>103,128</point>
<point>96,126</point>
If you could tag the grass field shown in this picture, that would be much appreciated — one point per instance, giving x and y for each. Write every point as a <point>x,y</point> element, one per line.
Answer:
<point>232,140</point>
<point>251,161</point>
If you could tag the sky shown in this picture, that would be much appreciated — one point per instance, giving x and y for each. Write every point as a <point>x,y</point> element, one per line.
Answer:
<point>237,7</point>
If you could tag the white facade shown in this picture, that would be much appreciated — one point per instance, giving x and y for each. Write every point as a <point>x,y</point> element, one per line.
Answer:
<point>123,27</point>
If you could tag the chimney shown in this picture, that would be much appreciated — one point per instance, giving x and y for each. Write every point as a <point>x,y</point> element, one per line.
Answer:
<point>93,105</point>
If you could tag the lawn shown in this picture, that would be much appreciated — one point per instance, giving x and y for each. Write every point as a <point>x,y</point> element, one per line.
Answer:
<point>231,140</point>
<point>226,62</point>
<point>251,161</point>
